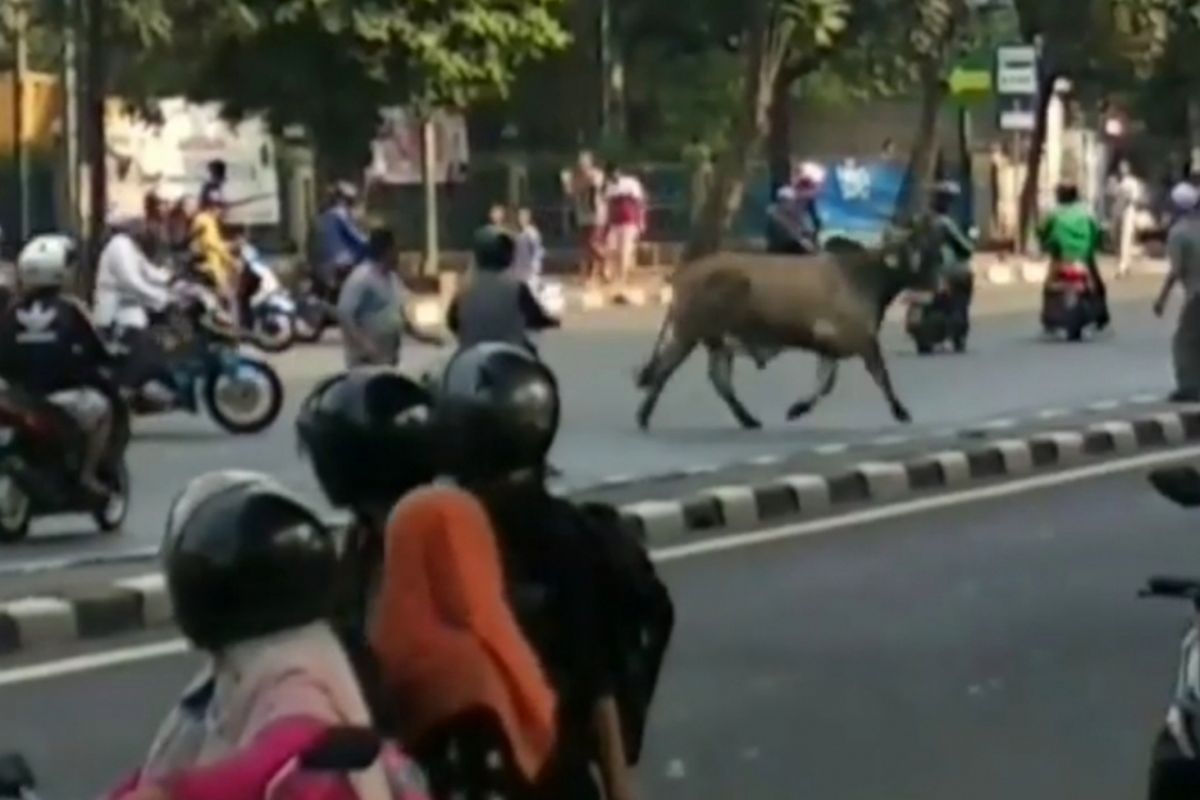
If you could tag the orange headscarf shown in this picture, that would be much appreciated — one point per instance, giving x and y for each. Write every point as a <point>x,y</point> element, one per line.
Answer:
<point>443,631</point>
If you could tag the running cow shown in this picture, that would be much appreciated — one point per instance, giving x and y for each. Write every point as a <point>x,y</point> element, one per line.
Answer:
<point>755,304</point>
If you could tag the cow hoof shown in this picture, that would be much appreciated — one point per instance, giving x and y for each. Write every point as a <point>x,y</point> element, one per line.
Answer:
<point>901,414</point>
<point>751,424</point>
<point>797,411</point>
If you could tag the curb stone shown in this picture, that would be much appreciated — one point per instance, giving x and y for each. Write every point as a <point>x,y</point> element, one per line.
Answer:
<point>141,602</point>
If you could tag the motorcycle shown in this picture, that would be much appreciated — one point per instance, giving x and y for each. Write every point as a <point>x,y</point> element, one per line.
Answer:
<point>939,316</point>
<point>1175,759</point>
<point>270,312</point>
<point>339,751</point>
<point>1069,300</point>
<point>198,343</point>
<point>41,455</point>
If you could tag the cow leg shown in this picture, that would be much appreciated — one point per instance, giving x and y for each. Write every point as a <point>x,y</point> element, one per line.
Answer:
<point>873,359</point>
<point>720,373</point>
<point>827,369</point>
<point>666,362</point>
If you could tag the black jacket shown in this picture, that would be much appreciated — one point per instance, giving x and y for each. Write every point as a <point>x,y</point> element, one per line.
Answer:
<point>48,344</point>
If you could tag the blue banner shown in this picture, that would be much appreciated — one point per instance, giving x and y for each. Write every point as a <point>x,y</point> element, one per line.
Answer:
<point>858,199</point>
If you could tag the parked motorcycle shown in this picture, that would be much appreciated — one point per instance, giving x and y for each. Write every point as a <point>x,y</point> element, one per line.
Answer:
<point>41,456</point>
<point>1175,760</point>
<point>197,342</point>
<point>942,315</point>
<point>1069,301</point>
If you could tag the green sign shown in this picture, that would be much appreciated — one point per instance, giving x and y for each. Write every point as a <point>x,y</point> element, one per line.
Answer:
<point>967,83</point>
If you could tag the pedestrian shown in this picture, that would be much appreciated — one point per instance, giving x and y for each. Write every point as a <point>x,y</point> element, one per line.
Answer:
<point>466,692</point>
<point>497,304</point>
<point>626,200</point>
<point>583,588</point>
<point>371,307</point>
<point>1183,253</point>
<point>497,219</point>
<point>249,568</point>
<point>531,253</point>
<point>1128,195</point>
<point>583,187</point>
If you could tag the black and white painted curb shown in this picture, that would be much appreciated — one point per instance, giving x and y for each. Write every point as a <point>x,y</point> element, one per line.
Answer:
<point>141,602</point>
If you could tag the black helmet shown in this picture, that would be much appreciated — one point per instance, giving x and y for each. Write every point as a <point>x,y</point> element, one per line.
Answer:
<point>367,434</point>
<point>497,412</point>
<point>494,250</point>
<point>244,557</point>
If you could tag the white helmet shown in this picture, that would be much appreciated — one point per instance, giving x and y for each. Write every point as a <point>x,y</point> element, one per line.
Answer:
<point>45,261</point>
<point>1185,196</point>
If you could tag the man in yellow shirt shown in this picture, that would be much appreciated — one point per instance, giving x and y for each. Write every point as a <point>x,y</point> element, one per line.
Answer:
<point>216,258</point>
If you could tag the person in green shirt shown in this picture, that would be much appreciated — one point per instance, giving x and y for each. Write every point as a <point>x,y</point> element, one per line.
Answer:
<point>1071,234</point>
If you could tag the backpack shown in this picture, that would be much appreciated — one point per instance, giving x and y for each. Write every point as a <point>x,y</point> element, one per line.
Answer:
<point>641,614</point>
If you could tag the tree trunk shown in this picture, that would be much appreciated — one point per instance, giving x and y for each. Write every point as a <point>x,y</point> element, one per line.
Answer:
<point>922,160</point>
<point>752,118</point>
<point>1193,122</point>
<point>1033,164</point>
<point>779,137</point>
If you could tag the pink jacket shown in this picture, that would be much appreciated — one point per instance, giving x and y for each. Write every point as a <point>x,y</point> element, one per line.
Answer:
<point>241,728</point>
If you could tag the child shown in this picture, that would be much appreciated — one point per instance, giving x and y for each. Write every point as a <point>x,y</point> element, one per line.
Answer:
<point>531,253</point>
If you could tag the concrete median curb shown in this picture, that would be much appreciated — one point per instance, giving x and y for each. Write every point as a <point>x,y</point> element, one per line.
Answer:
<point>141,602</point>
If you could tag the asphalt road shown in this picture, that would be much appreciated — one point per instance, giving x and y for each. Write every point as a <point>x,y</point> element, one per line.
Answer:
<point>992,650</point>
<point>1008,371</point>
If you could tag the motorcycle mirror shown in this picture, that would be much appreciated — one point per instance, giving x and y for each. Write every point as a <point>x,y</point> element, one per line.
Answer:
<point>342,749</point>
<point>16,778</point>
<point>1180,485</point>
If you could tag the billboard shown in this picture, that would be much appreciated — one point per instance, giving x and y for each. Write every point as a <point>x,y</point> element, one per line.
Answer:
<point>175,152</point>
<point>858,199</point>
<point>396,152</point>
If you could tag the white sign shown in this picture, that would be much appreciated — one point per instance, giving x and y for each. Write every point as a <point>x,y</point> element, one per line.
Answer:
<point>174,155</point>
<point>396,153</point>
<point>1017,70</point>
<point>1017,119</point>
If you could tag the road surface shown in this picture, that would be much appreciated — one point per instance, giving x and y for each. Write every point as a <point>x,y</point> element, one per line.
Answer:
<point>1009,371</point>
<point>990,650</point>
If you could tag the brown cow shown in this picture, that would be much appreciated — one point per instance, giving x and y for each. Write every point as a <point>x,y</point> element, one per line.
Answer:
<point>759,304</point>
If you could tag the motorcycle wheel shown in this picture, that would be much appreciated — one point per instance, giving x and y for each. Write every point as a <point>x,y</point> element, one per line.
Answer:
<point>16,511</point>
<point>265,380</point>
<point>110,516</point>
<point>274,333</point>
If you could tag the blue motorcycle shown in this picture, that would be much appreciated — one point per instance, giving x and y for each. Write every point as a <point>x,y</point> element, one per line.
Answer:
<point>190,357</point>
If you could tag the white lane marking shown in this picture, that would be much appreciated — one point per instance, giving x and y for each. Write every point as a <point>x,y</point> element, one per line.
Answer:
<point>1145,399</point>
<point>91,662</point>
<point>1052,413</point>
<point>112,658</point>
<point>890,440</point>
<point>1105,405</point>
<point>831,449</point>
<point>922,505</point>
<point>998,425</point>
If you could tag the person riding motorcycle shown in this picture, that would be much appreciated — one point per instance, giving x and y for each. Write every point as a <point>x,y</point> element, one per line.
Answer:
<point>497,305</point>
<point>49,346</point>
<point>214,257</point>
<point>584,590</point>
<point>249,566</point>
<point>956,251</point>
<point>367,437</point>
<point>256,280</point>
<point>1071,234</point>
<point>793,222</point>
<point>339,242</point>
<point>129,290</point>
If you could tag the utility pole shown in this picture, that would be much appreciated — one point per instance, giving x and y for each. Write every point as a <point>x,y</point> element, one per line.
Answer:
<point>20,29</point>
<point>431,262</point>
<point>97,91</point>
<point>72,14</point>
<point>605,57</point>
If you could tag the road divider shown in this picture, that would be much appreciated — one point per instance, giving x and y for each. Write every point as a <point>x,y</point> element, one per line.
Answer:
<point>727,512</point>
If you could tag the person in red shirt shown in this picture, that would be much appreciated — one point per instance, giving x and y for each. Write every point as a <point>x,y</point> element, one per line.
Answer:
<point>626,203</point>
